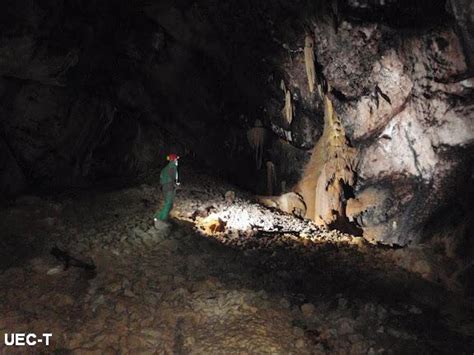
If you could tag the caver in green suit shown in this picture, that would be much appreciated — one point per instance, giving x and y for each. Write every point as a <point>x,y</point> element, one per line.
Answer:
<point>168,181</point>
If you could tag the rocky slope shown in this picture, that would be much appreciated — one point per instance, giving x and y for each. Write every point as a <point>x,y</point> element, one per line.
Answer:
<point>174,290</point>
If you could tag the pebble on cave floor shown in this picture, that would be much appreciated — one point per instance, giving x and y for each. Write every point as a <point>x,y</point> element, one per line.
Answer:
<point>247,287</point>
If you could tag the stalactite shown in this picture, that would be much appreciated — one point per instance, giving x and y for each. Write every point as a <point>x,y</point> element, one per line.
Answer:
<point>288,108</point>
<point>271,178</point>
<point>256,138</point>
<point>309,62</point>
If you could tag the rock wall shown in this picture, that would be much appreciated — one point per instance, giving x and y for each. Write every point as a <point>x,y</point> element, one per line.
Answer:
<point>63,71</point>
<point>463,11</point>
<point>407,117</point>
<point>91,91</point>
<point>404,95</point>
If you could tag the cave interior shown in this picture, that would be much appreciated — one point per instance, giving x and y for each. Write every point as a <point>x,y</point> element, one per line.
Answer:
<point>325,197</point>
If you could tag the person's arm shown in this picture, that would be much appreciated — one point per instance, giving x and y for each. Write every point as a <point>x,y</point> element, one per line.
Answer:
<point>173,174</point>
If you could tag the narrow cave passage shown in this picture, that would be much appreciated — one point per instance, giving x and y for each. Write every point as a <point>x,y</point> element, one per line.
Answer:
<point>325,177</point>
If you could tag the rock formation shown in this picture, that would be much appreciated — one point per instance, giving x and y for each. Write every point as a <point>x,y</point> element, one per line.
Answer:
<point>288,108</point>
<point>290,202</point>
<point>329,172</point>
<point>309,62</point>
<point>256,138</point>
<point>271,178</point>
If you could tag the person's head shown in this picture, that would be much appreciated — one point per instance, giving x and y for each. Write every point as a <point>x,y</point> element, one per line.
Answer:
<point>173,157</point>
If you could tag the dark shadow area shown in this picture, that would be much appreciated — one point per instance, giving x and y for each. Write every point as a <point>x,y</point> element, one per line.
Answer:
<point>316,275</point>
<point>405,14</point>
<point>16,250</point>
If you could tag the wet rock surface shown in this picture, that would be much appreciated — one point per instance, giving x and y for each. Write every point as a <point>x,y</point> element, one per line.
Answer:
<point>245,288</point>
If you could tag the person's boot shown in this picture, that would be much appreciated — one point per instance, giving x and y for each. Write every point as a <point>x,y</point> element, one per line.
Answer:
<point>162,226</point>
<point>158,223</point>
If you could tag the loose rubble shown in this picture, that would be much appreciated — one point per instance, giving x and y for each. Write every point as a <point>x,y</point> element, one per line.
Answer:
<point>261,282</point>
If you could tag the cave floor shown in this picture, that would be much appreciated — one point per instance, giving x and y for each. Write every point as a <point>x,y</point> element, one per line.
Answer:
<point>173,290</point>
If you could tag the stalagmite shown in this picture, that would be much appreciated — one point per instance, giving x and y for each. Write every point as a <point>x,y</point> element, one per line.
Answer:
<point>229,197</point>
<point>330,169</point>
<point>336,172</point>
<point>271,178</point>
<point>309,61</point>
<point>256,138</point>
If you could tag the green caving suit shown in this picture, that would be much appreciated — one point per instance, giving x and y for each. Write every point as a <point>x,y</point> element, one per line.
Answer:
<point>168,180</point>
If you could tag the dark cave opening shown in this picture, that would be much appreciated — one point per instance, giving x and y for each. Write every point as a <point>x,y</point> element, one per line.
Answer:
<point>325,197</point>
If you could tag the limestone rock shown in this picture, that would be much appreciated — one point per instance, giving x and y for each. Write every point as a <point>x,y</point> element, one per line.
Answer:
<point>290,202</point>
<point>308,310</point>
